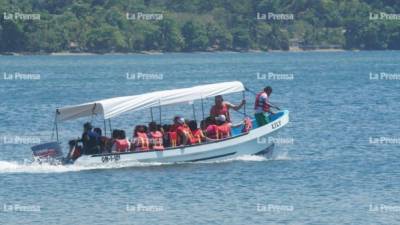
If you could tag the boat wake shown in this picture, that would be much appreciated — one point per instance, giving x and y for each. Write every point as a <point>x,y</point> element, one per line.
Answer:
<point>34,167</point>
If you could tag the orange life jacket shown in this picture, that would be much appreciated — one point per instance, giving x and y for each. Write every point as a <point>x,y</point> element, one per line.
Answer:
<point>263,105</point>
<point>224,131</point>
<point>121,145</point>
<point>196,137</point>
<point>157,140</point>
<point>173,138</point>
<point>184,130</point>
<point>247,125</point>
<point>142,142</point>
<point>224,110</point>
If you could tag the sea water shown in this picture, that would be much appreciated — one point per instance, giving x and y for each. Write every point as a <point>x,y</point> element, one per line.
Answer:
<point>336,162</point>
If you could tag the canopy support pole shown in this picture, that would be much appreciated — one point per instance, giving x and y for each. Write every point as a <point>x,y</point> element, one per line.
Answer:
<point>202,107</point>
<point>109,123</point>
<point>194,111</point>
<point>244,106</point>
<point>105,128</point>
<point>151,112</point>
<point>159,109</point>
<point>55,126</point>
<point>56,130</point>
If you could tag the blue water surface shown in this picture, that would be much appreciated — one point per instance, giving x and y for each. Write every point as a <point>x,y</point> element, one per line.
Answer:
<point>332,173</point>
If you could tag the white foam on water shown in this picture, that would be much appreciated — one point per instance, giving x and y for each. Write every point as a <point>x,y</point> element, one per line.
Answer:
<point>34,167</point>
<point>283,156</point>
<point>251,158</point>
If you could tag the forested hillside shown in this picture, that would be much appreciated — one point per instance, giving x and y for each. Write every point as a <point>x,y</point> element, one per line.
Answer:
<point>102,26</point>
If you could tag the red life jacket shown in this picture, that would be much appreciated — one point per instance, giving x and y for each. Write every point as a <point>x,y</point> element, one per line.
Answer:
<point>263,105</point>
<point>121,145</point>
<point>224,131</point>
<point>196,136</point>
<point>142,142</point>
<point>173,138</point>
<point>184,130</point>
<point>212,131</point>
<point>157,140</point>
<point>224,110</point>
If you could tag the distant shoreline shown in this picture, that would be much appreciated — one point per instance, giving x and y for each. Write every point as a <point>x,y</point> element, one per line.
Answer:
<point>161,52</point>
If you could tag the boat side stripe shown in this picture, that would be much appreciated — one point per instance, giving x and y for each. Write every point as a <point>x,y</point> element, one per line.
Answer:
<point>212,157</point>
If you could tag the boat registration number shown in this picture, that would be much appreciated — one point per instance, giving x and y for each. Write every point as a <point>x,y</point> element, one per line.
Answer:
<point>276,125</point>
<point>110,158</point>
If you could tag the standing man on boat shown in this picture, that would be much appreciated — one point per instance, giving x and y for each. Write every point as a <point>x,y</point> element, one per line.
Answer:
<point>222,107</point>
<point>262,106</point>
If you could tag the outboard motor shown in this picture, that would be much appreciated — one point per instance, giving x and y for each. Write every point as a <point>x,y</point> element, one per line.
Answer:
<point>48,152</point>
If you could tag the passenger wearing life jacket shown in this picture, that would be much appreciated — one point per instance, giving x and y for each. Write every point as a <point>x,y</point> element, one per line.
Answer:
<point>120,142</point>
<point>262,106</point>
<point>197,136</point>
<point>223,127</point>
<point>183,132</point>
<point>247,125</point>
<point>155,137</point>
<point>173,138</point>
<point>212,129</point>
<point>222,107</point>
<point>140,139</point>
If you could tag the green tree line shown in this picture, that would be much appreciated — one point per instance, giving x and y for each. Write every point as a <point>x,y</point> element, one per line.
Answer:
<point>103,26</point>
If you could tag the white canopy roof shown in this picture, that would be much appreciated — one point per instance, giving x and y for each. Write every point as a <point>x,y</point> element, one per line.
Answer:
<point>115,106</point>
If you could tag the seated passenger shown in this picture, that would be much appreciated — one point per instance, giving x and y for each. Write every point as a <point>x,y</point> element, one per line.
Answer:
<point>212,129</point>
<point>166,139</point>
<point>197,134</point>
<point>140,139</point>
<point>121,143</point>
<point>176,124</point>
<point>156,137</point>
<point>247,125</point>
<point>183,132</point>
<point>103,139</point>
<point>90,140</point>
<point>224,127</point>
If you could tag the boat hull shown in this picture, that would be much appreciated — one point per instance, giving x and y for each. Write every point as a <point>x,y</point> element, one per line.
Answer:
<point>252,143</point>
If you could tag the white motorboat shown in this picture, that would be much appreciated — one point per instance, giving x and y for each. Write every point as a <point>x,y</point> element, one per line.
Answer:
<point>253,142</point>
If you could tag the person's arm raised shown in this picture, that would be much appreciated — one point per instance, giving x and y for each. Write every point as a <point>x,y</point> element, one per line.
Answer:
<point>236,107</point>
